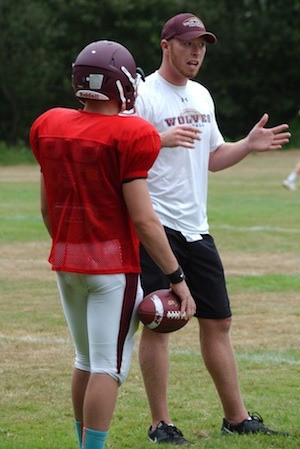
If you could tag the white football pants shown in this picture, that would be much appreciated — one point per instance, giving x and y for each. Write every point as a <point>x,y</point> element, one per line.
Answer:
<point>101,312</point>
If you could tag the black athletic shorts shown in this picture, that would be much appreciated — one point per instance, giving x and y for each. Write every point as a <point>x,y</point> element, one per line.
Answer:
<point>204,272</point>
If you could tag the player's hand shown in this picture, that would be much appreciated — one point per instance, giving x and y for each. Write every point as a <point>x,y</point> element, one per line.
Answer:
<point>180,136</point>
<point>264,139</point>
<point>188,306</point>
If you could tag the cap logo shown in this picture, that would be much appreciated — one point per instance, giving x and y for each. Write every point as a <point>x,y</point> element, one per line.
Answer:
<point>193,22</point>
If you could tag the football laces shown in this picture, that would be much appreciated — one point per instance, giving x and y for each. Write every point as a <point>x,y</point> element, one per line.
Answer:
<point>174,315</point>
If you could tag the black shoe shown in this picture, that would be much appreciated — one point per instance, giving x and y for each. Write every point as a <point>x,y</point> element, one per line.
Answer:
<point>166,433</point>
<point>253,425</point>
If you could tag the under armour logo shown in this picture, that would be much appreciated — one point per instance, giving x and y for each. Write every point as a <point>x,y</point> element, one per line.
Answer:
<point>183,99</point>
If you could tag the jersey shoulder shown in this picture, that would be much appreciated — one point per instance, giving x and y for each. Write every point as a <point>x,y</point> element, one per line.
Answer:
<point>134,123</point>
<point>55,114</point>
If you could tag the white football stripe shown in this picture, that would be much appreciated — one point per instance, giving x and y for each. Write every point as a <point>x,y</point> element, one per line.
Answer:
<point>159,312</point>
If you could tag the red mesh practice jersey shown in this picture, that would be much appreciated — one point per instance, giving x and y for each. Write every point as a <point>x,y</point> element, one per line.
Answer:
<point>85,158</point>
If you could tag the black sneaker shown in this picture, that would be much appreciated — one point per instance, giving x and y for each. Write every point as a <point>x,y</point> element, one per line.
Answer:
<point>166,433</point>
<point>253,425</point>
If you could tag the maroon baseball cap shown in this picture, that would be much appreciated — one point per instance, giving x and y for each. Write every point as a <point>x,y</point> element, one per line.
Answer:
<point>186,27</point>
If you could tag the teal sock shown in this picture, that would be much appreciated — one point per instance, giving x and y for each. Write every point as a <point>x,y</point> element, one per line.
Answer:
<point>79,426</point>
<point>94,439</point>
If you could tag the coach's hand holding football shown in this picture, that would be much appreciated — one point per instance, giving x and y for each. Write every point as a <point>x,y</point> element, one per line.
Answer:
<point>188,307</point>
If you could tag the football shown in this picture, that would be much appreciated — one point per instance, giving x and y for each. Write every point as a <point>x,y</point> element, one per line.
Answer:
<point>160,311</point>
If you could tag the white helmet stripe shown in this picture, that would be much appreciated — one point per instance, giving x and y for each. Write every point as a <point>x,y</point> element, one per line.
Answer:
<point>121,91</point>
<point>128,74</point>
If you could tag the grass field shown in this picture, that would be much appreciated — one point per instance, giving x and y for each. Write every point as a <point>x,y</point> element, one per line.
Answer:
<point>255,223</point>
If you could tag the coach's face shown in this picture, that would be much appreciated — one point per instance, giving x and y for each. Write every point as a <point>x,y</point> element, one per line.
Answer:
<point>186,57</point>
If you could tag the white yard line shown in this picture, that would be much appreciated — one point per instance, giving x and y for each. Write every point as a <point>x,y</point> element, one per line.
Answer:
<point>34,339</point>
<point>252,358</point>
<point>256,229</point>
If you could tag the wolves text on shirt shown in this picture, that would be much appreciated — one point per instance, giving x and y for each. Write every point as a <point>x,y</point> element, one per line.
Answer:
<point>188,117</point>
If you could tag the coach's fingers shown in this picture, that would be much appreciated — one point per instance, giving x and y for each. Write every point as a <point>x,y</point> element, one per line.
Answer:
<point>181,135</point>
<point>190,132</point>
<point>281,140</point>
<point>279,128</point>
<point>186,310</point>
<point>263,121</point>
<point>188,306</point>
<point>187,139</point>
<point>191,128</point>
<point>282,135</point>
<point>186,144</point>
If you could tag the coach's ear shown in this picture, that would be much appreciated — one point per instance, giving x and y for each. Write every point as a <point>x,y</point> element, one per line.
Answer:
<point>164,44</point>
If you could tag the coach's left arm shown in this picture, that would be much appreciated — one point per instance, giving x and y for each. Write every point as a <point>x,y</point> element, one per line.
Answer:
<point>259,139</point>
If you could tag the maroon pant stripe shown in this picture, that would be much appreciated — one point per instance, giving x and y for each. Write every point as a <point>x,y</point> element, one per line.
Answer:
<point>126,315</point>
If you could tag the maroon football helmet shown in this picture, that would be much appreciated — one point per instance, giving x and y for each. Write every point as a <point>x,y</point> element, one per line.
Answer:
<point>106,70</point>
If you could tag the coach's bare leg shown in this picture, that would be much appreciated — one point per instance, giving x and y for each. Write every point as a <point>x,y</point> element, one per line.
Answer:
<point>154,362</point>
<point>218,356</point>
<point>79,384</point>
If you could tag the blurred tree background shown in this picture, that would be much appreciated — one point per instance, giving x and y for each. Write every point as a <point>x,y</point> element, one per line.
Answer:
<point>253,68</point>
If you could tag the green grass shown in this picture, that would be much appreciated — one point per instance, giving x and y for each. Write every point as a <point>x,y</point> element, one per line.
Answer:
<point>255,223</point>
<point>277,283</point>
<point>21,219</point>
<point>15,154</point>
<point>259,212</point>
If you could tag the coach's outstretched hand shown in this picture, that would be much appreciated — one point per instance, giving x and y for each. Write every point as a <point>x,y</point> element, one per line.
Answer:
<point>264,139</point>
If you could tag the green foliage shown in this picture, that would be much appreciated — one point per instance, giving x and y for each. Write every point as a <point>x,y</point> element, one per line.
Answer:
<point>28,67</point>
<point>254,67</point>
<point>295,131</point>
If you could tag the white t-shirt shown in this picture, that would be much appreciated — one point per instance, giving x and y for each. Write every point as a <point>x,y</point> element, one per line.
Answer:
<point>178,179</point>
